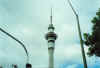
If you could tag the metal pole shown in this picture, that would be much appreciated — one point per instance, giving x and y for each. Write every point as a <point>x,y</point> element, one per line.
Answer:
<point>80,36</point>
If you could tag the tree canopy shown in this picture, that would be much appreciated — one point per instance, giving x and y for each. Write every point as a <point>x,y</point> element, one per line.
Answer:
<point>92,40</point>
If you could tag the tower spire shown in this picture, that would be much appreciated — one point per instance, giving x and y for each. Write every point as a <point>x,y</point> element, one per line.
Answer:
<point>51,17</point>
<point>51,27</point>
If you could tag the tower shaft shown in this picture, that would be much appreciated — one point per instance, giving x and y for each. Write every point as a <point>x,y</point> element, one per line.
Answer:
<point>51,57</point>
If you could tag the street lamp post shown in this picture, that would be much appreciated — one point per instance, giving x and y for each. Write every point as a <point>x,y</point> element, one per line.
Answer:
<point>80,36</point>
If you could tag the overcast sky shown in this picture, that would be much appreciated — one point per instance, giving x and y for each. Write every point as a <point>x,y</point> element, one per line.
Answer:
<point>28,21</point>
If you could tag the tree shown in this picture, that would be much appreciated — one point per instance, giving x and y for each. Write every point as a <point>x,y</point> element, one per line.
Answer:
<point>92,40</point>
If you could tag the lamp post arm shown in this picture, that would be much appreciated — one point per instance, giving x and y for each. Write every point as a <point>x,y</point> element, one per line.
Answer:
<point>2,30</point>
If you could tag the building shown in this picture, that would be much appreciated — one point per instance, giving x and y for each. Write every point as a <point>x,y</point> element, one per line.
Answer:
<point>51,37</point>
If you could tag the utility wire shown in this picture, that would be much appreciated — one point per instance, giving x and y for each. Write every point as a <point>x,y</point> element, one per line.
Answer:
<point>2,30</point>
<point>80,36</point>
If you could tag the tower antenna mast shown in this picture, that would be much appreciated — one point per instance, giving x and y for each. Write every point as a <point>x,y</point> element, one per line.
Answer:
<point>51,16</point>
<point>80,36</point>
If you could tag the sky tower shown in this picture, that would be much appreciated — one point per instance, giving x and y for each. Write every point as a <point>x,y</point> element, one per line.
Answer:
<point>51,37</point>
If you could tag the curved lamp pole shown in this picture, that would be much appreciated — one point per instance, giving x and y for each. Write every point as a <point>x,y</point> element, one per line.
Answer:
<point>16,41</point>
<point>80,36</point>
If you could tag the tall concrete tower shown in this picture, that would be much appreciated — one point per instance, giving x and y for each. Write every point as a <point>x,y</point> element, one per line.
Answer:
<point>51,37</point>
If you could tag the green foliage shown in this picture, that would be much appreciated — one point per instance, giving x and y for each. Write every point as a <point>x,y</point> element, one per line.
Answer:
<point>90,51</point>
<point>94,20</point>
<point>98,13</point>
<point>93,40</point>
